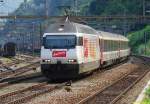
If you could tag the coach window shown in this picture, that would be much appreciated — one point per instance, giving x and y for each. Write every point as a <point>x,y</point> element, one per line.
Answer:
<point>114,45</point>
<point>105,45</point>
<point>79,41</point>
<point>118,45</point>
<point>115,42</point>
<point>108,49</point>
<point>124,45</point>
<point>121,45</point>
<point>127,45</point>
<point>110,45</point>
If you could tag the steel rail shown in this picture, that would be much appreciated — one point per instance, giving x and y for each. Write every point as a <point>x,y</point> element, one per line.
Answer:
<point>17,74</point>
<point>19,79</point>
<point>131,86</point>
<point>101,95</point>
<point>19,70</point>
<point>15,62</point>
<point>28,93</point>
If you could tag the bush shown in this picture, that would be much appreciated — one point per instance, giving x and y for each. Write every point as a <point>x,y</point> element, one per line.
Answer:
<point>137,41</point>
<point>148,92</point>
<point>146,101</point>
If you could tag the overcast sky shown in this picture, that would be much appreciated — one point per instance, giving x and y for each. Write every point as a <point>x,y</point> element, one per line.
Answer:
<point>8,6</point>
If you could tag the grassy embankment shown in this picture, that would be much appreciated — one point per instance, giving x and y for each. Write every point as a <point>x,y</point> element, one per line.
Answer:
<point>146,100</point>
<point>140,41</point>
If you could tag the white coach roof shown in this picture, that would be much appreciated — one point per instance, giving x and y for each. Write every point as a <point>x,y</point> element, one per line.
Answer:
<point>112,36</point>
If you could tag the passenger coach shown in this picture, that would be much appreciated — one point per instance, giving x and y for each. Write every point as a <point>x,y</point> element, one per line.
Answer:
<point>114,48</point>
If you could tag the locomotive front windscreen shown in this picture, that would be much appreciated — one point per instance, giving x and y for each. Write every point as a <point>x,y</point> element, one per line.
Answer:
<point>59,42</point>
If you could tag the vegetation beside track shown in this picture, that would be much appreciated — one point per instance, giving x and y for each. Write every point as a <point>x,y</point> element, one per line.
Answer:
<point>147,97</point>
<point>138,40</point>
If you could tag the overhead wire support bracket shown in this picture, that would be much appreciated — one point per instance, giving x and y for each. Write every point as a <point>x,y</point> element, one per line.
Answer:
<point>83,17</point>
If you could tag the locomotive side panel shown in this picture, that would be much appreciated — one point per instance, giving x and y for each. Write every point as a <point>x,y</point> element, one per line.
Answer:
<point>91,53</point>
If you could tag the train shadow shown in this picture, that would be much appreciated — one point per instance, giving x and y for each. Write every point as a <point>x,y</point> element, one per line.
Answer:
<point>69,80</point>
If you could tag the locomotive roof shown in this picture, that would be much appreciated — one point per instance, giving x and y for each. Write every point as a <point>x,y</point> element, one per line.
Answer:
<point>70,27</point>
<point>67,27</point>
<point>112,36</point>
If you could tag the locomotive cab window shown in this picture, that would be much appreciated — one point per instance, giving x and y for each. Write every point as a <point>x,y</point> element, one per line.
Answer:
<point>43,41</point>
<point>60,41</point>
<point>79,41</point>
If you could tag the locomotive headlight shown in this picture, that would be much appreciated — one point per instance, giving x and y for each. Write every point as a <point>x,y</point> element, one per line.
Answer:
<point>72,60</point>
<point>47,61</point>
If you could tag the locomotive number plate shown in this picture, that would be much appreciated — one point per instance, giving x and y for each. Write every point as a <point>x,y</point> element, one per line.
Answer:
<point>59,54</point>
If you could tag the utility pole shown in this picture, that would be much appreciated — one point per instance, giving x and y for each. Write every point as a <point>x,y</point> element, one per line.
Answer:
<point>76,7</point>
<point>33,30</point>
<point>145,36</point>
<point>41,34</point>
<point>144,8</point>
<point>46,8</point>
<point>125,21</point>
<point>25,4</point>
<point>1,4</point>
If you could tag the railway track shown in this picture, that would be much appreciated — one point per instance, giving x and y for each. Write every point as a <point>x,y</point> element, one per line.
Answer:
<point>19,79</point>
<point>112,93</point>
<point>25,56</point>
<point>15,61</point>
<point>6,67</point>
<point>24,95</point>
<point>19,71</point>
<point>22,78</point>
<point>108,95</point>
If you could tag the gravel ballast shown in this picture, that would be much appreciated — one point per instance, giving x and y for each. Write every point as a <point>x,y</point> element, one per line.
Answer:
<point>85,87</point>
